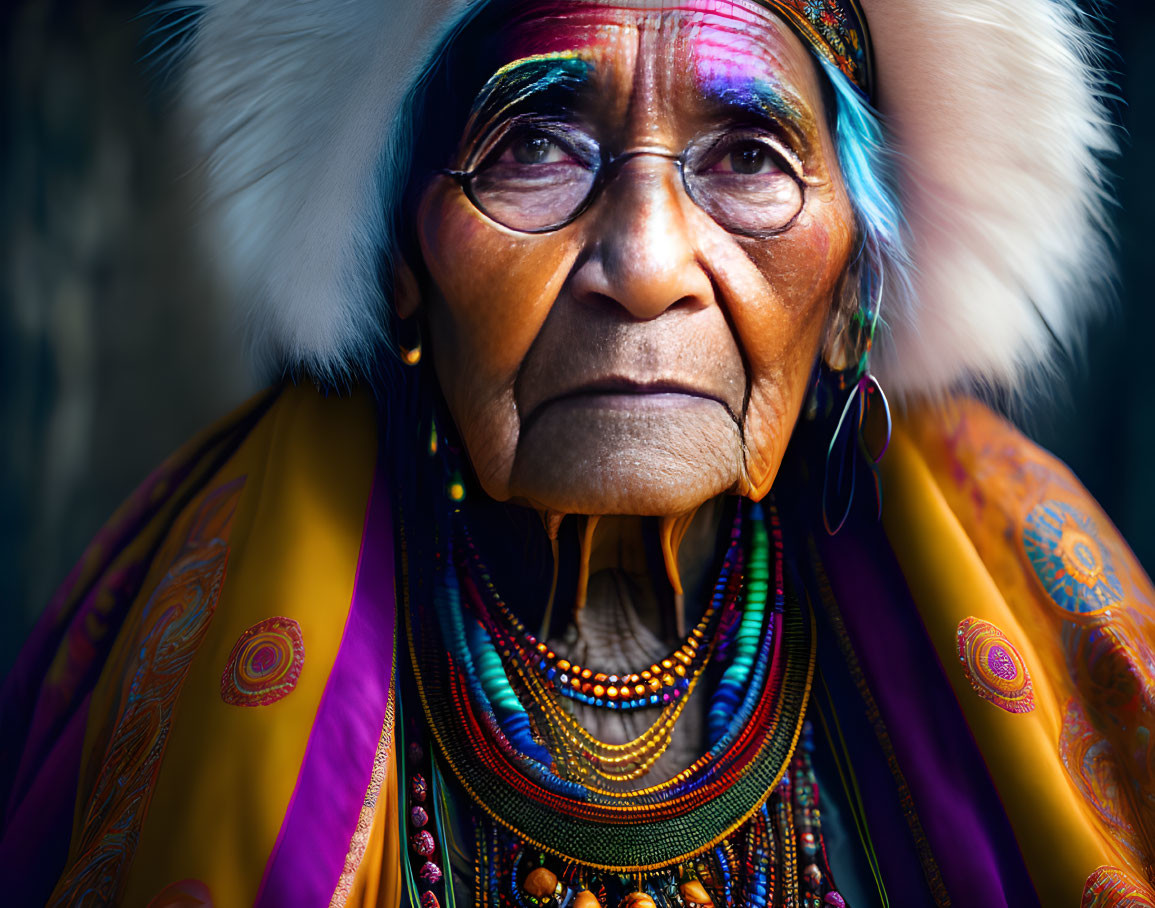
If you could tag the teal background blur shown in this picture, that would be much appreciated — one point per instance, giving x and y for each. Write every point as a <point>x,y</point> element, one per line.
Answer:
<point>114,347</point>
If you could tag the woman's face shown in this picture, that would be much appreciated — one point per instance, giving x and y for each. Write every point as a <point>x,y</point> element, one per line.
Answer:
<point>644,358</point>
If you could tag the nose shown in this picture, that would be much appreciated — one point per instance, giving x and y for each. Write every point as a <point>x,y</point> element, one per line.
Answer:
<point>642,255</point>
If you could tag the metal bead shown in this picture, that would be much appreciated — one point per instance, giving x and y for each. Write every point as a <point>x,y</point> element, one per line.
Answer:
<point>540,883</point>
<point>695,895</point>
<point>429,874</point>
<point>638,900</point>
<point>418,817</point>
<point>586,899</point>
<point>418,788</point>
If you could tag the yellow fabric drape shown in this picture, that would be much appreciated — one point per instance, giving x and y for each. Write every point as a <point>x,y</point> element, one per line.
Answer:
<point>988,527</point>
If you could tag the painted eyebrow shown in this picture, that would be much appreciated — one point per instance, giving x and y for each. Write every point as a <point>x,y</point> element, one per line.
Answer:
<point>544,78</point>
<point>760,99</point>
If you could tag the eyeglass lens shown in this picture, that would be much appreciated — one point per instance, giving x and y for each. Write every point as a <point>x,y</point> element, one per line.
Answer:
<point>535,181</point>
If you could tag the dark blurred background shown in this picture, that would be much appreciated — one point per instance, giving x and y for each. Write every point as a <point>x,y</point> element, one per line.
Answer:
<point>114,346</point>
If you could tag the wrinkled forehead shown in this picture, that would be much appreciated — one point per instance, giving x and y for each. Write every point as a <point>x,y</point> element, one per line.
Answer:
<point>710,40</point>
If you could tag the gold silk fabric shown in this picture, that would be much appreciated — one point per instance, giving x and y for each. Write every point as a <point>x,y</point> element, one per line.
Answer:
<point>1046,625</point>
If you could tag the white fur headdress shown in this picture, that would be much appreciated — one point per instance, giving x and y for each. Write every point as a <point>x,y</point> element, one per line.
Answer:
<point>992,106</point>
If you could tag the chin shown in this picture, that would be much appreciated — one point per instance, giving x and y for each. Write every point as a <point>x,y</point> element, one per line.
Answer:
<point>581,457</point>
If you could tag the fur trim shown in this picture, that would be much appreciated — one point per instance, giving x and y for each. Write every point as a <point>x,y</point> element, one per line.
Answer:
<point>293,106</point>
<point>994,109</point>
<point>998,126</point>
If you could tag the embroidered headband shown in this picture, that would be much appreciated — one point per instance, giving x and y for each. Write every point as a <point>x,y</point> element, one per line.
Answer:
<point>837,30</point>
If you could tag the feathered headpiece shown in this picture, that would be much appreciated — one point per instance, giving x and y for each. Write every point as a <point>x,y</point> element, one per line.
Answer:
<point>993,111</point>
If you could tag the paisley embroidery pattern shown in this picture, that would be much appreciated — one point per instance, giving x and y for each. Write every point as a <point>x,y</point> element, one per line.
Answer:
<point>1074,567</point>
<point>264,664</point>
<point>994,667</point>
<point>1090,764</point>
<point>1110,887</point>
<point>169,630</point>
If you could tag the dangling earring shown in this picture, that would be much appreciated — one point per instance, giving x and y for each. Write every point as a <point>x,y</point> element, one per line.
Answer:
<point>849,362</point>
<point>409,341</point>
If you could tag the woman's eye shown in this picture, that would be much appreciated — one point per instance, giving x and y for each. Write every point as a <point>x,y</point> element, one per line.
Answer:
<point>536,149</point>
<point>748,159</point>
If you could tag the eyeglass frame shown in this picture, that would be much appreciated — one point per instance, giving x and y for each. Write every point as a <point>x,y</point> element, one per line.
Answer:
<point>608,168</point>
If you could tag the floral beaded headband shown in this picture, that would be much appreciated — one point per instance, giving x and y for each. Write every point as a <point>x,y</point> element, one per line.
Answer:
<point>837,30</point>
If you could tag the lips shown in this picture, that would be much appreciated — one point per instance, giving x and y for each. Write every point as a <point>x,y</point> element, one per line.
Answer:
<point>620,393</point>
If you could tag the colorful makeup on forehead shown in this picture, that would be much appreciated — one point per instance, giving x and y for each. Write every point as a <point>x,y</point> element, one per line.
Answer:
<point>557,25</point>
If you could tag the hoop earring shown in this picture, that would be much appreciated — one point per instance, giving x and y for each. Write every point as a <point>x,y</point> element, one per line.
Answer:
<point>850,444</point>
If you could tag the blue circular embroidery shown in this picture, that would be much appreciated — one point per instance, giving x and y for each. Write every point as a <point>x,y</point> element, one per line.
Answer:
<point>1074,567</point>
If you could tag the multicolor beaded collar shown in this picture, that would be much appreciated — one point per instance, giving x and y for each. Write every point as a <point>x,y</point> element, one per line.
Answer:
<point>486,743</point>
<point>837,30</point>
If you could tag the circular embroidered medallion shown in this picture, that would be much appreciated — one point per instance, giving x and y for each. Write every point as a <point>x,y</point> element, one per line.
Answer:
<point>994,667</point>
<point>265,663</point>
<point>1072,564</point>
<point>1110,887</point>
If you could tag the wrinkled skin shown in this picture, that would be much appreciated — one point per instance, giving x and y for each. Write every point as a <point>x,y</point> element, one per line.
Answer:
<point>642,359</point>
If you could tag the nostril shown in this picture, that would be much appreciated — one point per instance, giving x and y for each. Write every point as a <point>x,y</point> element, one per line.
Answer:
<point>608,303</point>
<point>601,301</point>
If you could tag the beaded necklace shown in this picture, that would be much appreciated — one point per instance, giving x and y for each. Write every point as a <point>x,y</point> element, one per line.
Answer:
<point>540,677</point>
<point>714,834</point>
<point>664,681</point>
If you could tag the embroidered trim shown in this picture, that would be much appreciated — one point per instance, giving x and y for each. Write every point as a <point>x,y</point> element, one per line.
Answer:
<point>360,840</point>
<point>836,29</point>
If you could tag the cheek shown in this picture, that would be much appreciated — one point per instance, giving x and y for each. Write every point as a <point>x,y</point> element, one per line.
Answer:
<point>781,335</point>
<point>494,291</point>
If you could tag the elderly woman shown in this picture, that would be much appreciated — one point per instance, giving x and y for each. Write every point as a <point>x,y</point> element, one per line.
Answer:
<point>574,576</point>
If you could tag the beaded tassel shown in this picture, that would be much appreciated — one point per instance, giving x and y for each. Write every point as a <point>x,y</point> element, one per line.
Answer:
<point>815,883</point>
<point>422,844</point>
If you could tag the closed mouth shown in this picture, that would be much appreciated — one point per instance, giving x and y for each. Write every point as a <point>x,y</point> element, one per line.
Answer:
<point>620,393</point>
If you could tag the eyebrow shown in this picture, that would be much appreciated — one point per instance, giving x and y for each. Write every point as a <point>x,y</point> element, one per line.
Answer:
<point>545,78</point>
<point>761,99</point>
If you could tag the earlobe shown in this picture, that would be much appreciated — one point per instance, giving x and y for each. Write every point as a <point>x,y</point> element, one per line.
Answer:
<point>406,291</point>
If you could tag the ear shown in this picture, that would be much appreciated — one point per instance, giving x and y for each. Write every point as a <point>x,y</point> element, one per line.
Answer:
<point>406,291</point>
<point>838,348</point>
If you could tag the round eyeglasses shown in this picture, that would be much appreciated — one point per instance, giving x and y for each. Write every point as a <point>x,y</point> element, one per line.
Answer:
<point>536,181</point>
